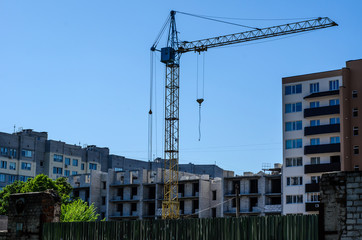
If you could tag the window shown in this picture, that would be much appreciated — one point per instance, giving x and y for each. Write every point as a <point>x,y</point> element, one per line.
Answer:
<point>315,179</point>
<point>294,181</point>
<point>315,160</point>
<point>334,120</point>
<point>4,151</point>
<point>214,195</point>
<point>313,197</point>
<point>74,172</point>
<point>82,166</point>
<point>24,178</point>
<point>314,87</point>
<point>294,89</point>
<point>333,85</point>
<point>3,164</point>
<point>314,123</point>
<point>93,166</point>
<point>355,149</point>
<point>314,104</point>
<point>12,166</point>
<point>356,168</point>
<point>66,173</point>
<point>355,112</point>
<point>294,162</point>
<point>58,158</point>
<point>314,141</point>
<point>25,166</point>
<point>133,207</point>
<point>293,126</point>
<point>292,199</point>
<point>103,200</point>
<point>355,131</point>
<point>354,94</point>
<point>12,152</point>
<point>57,170</point>
<point>12,178</point>
<point>104,185</point>
<point>75,162</point>
<point>67,161</point>
<point>333,102</point>
<point>26,153</point>
<point>2,177</point>
<point>294,143</point>
<point>293,107</point>
<point>335,140</point>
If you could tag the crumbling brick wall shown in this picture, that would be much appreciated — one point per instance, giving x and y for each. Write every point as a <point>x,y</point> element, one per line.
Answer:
<point>28,211</point>
<point>341,196</point>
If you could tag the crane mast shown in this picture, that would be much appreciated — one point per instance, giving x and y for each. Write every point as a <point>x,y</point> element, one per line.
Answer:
<point>170,56</point>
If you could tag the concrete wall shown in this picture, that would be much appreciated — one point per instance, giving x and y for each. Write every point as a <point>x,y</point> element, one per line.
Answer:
<point>3,223</point>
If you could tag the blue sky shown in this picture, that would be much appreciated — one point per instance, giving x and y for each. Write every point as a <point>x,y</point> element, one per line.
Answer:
<point>80,71</point>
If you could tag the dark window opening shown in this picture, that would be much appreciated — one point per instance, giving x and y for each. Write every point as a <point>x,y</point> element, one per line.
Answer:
<point>152,193</point>
<point>275,200</point>
<point>103,215</point>
<point>182,206</point>
<point>233,203</point>
<point>104,185</point>
<point>41,163</point>
<point>355,149</point>
<point>195,206</point>
<point>181,189</point>
<point>76,194</point>
<point>253,203</point>
<point>87,194</point>
<point>335,159</point>
<point>134,207</point>
<point>151,209</point>
<point>235,183</point>
<point>120,193</point>
<point>120,209</point>
<point>214,195</point>
<point>356,168</point>
<point>254,186</point>
<point>213,212</point>
<point>134,192</point>
<point>354,94</point>
<point>195,189</point>
<point>103,200</point>
<point>276,186</point>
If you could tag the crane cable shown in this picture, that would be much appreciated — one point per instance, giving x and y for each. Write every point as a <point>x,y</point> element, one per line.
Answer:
<point>216,20</point>
<point>200,100</point>
<point>150,111</point>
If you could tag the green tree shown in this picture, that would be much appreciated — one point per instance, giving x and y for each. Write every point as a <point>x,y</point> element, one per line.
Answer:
<point>38,184</point>
<point>78,211</point>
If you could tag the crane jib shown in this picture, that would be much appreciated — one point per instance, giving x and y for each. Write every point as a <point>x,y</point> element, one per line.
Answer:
<point>281,30</point>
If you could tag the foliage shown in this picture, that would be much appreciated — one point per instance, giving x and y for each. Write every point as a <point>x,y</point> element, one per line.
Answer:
<point>38,184</point>
<point>78,211</point>
<point>5,195</point>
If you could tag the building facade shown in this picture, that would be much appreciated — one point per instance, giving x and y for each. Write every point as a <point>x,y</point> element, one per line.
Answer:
<point>259,194</point>
<point>320,132</point>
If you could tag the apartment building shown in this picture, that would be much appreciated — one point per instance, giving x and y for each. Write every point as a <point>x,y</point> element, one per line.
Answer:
<point>259,194</point>
<point>27,153</point>
<point>320,132</point>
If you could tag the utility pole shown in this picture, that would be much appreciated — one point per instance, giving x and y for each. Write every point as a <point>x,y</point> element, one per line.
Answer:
<point>237,191</point>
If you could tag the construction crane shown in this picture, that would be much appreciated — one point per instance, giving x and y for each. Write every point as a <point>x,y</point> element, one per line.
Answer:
<point>170,56</point>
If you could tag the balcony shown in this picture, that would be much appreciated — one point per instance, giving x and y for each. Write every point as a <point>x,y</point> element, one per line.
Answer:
<point>320,111</point>
<point>319,168</point>
<point>273,208</point>
<point>330,128</point>
<point>312,187</point>
<point>322,148</point>
<point>322,94</point>
<point>312,206</point>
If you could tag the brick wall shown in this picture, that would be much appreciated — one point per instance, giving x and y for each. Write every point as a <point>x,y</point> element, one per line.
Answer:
<point>341,198</point>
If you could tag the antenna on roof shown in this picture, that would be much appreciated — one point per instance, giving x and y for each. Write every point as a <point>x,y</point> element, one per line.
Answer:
<point>14,128</point>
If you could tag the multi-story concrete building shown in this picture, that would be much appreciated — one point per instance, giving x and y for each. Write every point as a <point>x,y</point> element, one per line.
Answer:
<point>259,194</point>
<point>320,132</point>
<point>138,194</point>
<point>27,153</point>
